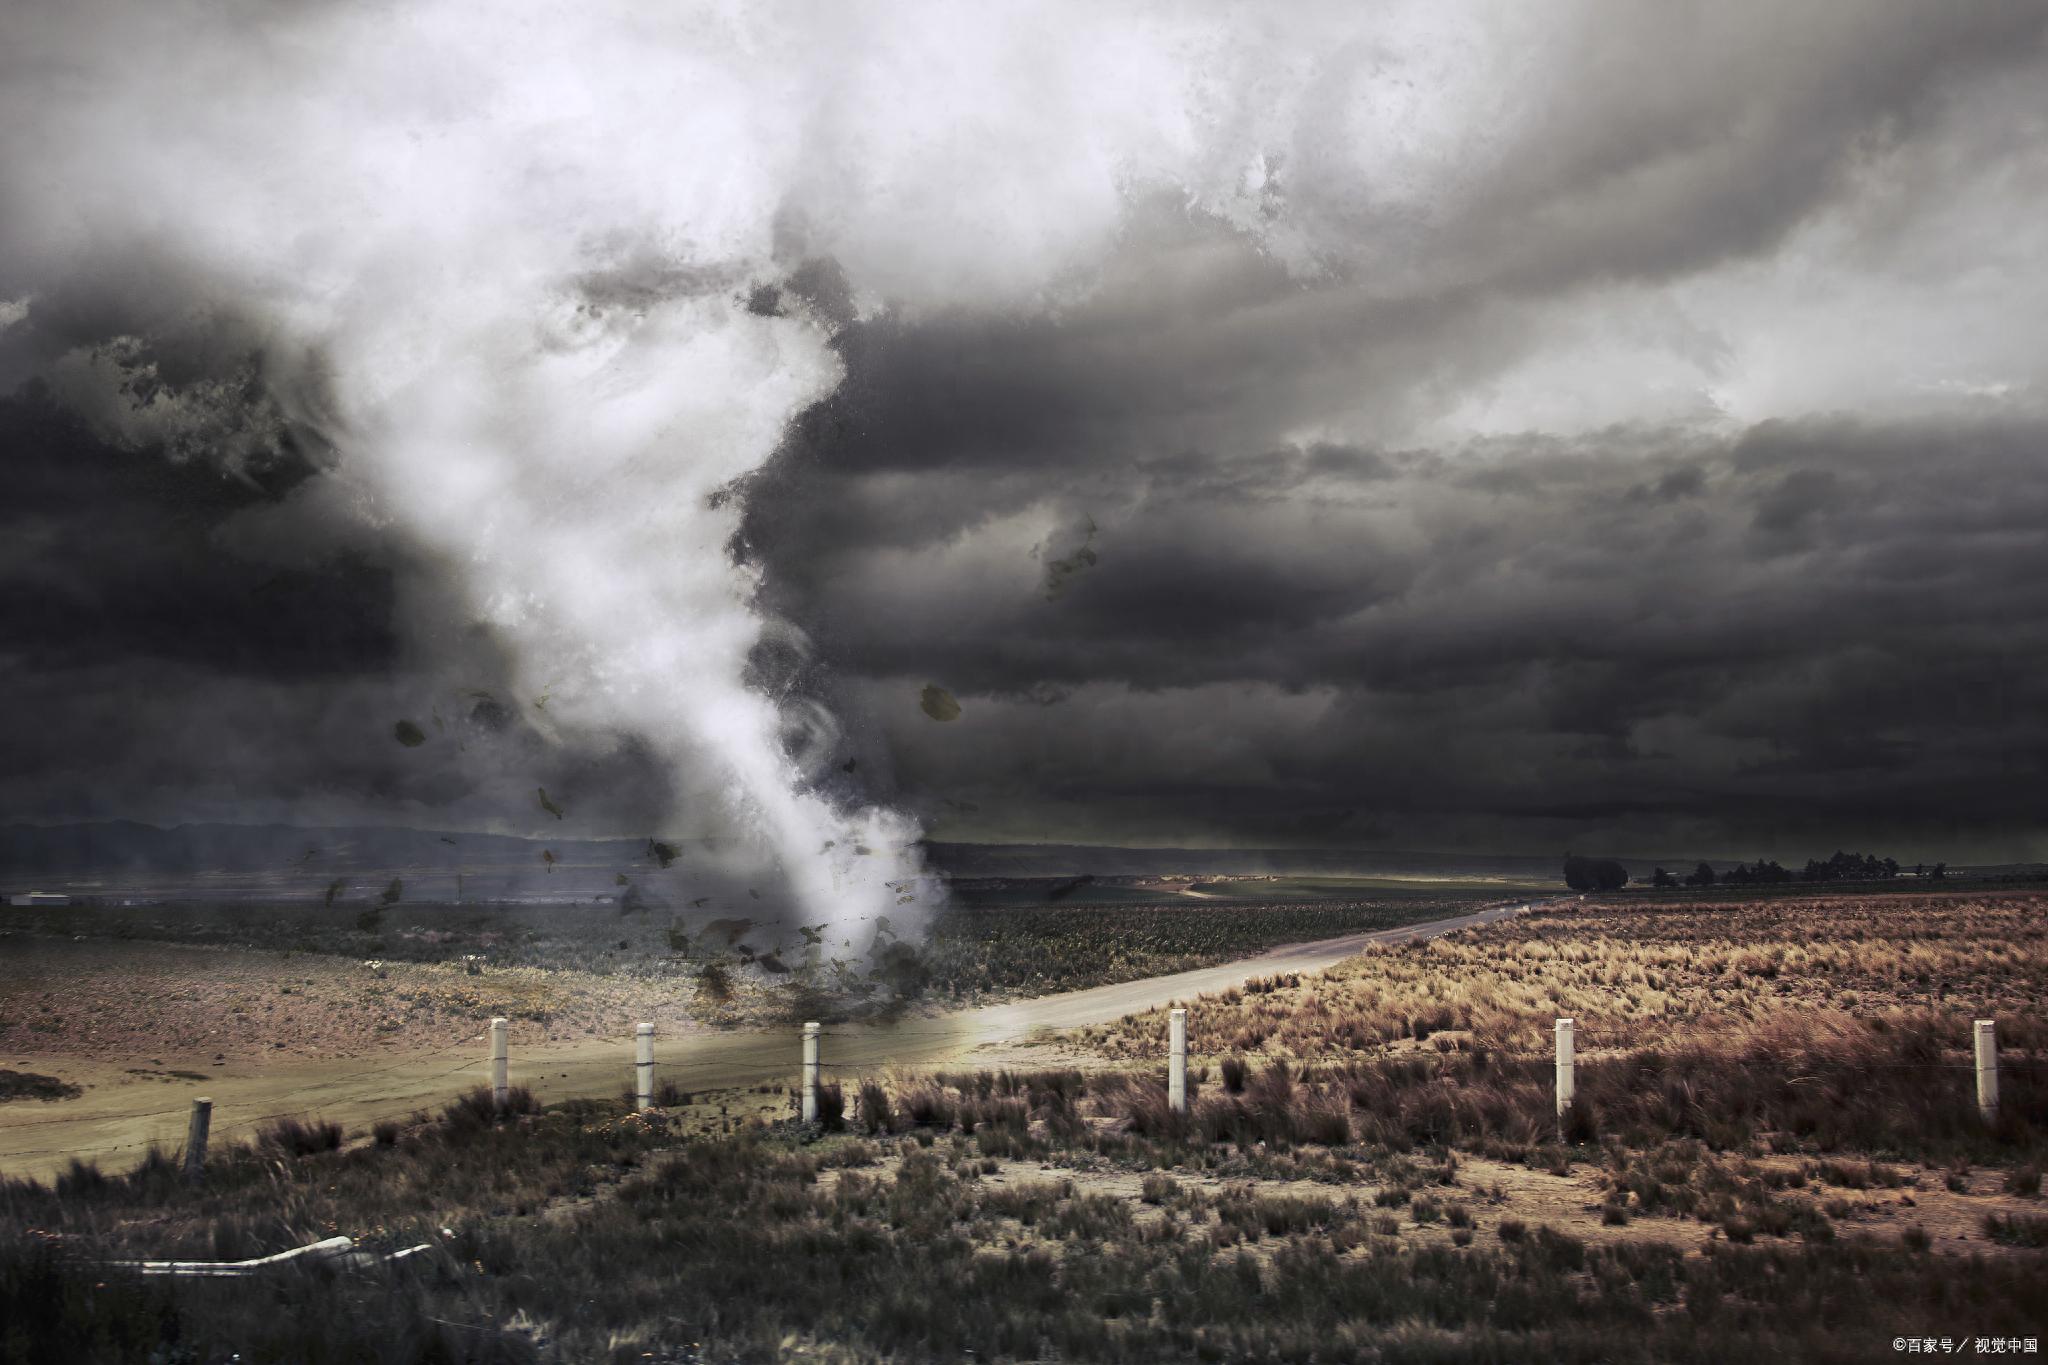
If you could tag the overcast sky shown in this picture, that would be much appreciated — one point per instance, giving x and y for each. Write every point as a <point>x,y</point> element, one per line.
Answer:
<point>1627,436</point>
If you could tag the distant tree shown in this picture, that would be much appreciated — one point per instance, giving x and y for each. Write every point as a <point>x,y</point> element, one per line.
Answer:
<point>1702,875</point>
<point>1760,873</point>
<point>1594,874</point>
<point>392,892</point>
<point>1940,870</point>
<point>1662,878</point>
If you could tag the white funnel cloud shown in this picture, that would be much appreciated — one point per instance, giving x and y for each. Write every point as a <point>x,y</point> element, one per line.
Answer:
<point>498,255</point>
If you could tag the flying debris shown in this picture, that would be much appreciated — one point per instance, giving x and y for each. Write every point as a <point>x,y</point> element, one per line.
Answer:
<point>752,894</point>
<point>619,879</point>
<point>813,933</point>
<point>308,856</point>
<point>848,767</point>
<point>545,804</point>
<point>333,890</point>
<point>700,902</point>
<point>662,853</point>
<point>772,963</point>
<point>1061,571</point>
<point>547,855</point>
<point>408,734</point>
<point>729,929</point>
<point>938,703</point>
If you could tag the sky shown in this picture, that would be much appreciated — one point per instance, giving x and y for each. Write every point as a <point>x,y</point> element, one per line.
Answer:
<point>1620,428</point>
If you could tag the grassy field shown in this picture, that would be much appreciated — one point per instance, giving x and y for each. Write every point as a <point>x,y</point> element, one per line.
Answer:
<point>1776,1152</point>
<point>976,953</point>
<point>1008,1217</point>
<point>245,978</point>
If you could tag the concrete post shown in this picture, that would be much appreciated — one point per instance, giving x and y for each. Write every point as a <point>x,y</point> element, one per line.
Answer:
<point>810,1086</point>
<point>643,1067</point>
<point>501,1065</point>
<point>195,1140</point>
<point>1567,1077</point>
<point>1177,1061</point>
<point>1987,1070</point>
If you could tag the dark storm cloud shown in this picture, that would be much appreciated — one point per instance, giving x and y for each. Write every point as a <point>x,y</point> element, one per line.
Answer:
<point>187,643</point>
<point>1624,433</point>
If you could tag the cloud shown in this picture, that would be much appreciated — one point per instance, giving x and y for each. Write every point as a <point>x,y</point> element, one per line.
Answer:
<point>1412,424</point>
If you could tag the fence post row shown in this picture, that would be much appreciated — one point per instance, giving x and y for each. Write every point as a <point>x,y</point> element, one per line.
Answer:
<point>1177,1061</point>
<point>1567,1075</point>
<point>810,1085</point>
<point>501,1065</point>
<point>195,1140</point>
<point>643,1067</point>
<point>1987,1070</point>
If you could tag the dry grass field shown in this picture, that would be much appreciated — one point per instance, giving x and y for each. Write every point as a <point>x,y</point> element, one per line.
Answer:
<point>1776,1154</point>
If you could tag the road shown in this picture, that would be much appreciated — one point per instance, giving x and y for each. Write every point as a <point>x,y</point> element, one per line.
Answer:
<point>107,1124</point>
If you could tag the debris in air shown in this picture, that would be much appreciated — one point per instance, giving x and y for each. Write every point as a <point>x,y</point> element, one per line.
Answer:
<point>545,804</point>
<point>662,853</point>
<point>938,703</point>
<point>408,734</point>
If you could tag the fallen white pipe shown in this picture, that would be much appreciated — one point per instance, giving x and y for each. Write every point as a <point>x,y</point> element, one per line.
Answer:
<point>328,1249</point>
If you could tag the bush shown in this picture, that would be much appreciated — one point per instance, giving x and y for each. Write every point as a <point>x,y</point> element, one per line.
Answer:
<point>475,1109</point>
<point>294,1138</point>
<point>875,1113</point>
<point>2017,1230</point>
<point>2024,1181</point>
<point>831,1106</point>
<point>1233,1075</point>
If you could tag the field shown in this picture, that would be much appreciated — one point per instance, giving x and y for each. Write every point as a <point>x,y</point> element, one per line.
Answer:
<point>236,981</point>
<point>1776,1144</point>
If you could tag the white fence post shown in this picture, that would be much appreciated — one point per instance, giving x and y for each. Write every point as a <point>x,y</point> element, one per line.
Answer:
<point>1567,1076</point>
<point>501,1065</point>
<point>810,1087</point>
<point>1987,1069</point>
<point>643,1067</point>
<point>1177,1061</point>
<point>195,1140</point>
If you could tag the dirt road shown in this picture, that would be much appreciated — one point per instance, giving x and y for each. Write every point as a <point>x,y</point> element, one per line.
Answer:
<point>114,1123</point>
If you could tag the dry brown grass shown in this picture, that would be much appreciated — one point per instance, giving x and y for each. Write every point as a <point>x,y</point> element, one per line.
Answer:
<point>1637,976</point>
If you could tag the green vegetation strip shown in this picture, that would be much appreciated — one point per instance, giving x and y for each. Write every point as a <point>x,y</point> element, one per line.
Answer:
<point>1035,950</point>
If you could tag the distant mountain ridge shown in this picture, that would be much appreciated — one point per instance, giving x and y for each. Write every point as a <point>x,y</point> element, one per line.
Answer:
<point>130,846</point>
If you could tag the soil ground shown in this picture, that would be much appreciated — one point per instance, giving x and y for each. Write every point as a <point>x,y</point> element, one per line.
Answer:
<point>144,1028</point>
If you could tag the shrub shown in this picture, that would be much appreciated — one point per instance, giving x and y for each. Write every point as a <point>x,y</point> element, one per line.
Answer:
<point>831,1106</point>
<point>1233,1075</point>
<point>875,1114</point>
<point>2024,1181</point>
<point>2017,1229</point>
<point>386,1132</point>
<point>293,1138</point>
<point>1511,1230</point>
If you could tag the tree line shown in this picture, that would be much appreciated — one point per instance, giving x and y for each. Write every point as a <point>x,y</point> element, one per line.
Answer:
<point>1605,874</point>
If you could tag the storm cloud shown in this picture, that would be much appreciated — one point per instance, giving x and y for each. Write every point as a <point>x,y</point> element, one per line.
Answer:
<point>1611,428</point>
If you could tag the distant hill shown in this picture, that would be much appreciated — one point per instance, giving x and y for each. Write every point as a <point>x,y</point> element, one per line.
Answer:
<point>127,846</point>
<point>1073,860</point>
